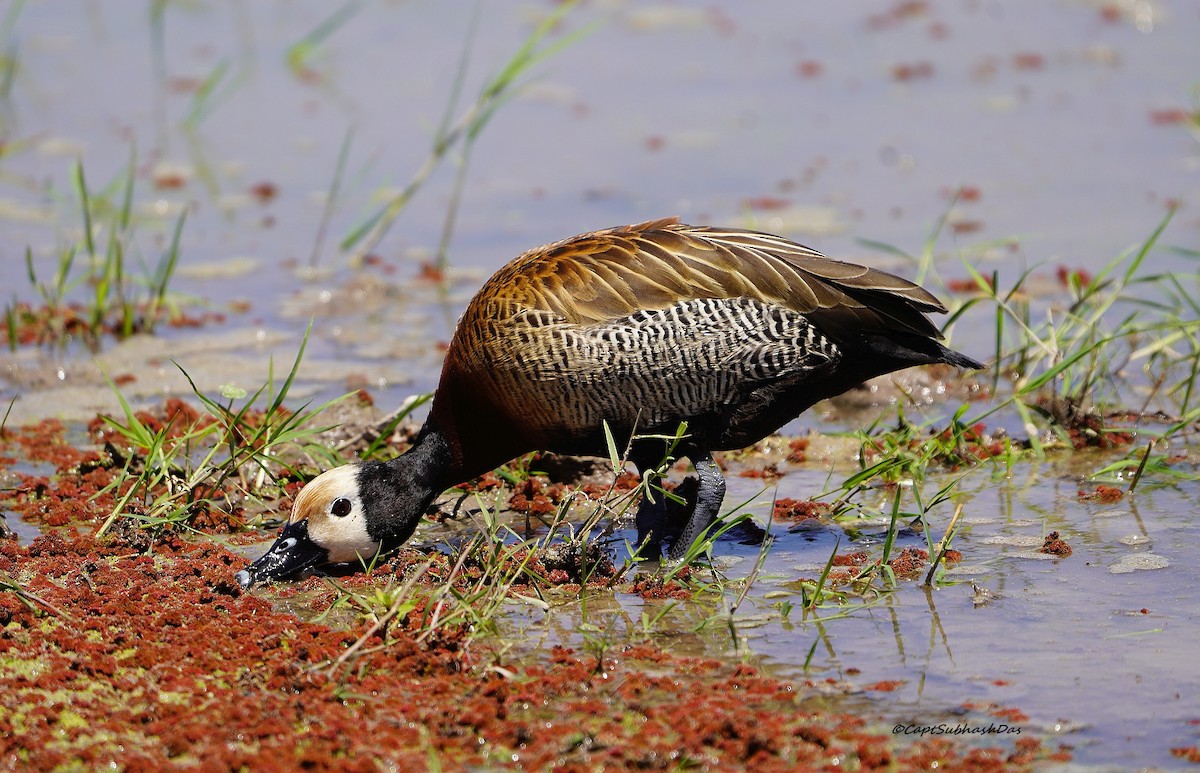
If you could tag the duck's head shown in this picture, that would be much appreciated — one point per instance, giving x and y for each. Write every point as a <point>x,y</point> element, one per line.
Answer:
<point>328,525</point>
<point>351,514</point>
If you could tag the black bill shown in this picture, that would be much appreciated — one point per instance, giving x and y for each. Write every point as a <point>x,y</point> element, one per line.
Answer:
<point>291,554</point>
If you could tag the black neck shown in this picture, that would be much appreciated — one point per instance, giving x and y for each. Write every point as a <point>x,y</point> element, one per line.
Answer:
<point>397,493</point>
<point>429,461</point>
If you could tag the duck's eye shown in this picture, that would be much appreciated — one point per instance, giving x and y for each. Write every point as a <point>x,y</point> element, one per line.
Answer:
<point>341,507</point>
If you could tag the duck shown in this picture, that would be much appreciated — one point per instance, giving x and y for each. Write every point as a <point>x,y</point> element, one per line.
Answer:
<point>636,331</point>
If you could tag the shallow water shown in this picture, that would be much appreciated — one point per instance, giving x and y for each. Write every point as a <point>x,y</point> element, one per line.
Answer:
<point>1070,642</point>
<point>1096,649</point>
<point>854,123</point>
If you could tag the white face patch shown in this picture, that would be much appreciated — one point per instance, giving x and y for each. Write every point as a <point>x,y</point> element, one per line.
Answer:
<point>336,518</point>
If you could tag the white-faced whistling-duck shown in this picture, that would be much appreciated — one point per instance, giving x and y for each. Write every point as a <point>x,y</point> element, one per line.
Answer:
<point>642,327</point>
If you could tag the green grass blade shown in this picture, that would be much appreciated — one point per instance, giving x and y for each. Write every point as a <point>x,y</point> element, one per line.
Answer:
<point>287,383</point>
<point>820,589</point>
<point>335,188</point>
<point>300,52</point>
<point>614,456</point>
<point>85,206</point>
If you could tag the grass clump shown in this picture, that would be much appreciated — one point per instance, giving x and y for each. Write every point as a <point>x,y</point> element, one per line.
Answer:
<point>93,290</point>
<point>211,464</point>
<point>1126,336</point>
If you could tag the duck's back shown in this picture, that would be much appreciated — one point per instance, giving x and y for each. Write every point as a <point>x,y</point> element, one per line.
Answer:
<point>645,325</point>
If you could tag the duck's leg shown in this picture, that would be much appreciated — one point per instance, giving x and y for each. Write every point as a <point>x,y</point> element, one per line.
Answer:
<point>710,493</point>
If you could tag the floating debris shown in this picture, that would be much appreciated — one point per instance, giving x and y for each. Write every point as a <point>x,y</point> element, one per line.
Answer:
<point>1139,561</point>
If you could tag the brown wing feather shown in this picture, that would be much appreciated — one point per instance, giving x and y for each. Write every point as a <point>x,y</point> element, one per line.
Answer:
<point>609,274</point>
